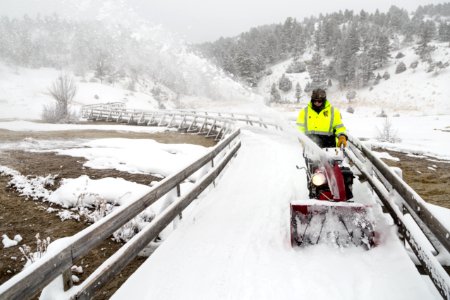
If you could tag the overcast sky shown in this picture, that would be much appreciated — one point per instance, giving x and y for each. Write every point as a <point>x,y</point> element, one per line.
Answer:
<point>207,20</point>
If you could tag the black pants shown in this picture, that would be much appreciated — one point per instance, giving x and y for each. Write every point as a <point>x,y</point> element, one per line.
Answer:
<point>324,141</point>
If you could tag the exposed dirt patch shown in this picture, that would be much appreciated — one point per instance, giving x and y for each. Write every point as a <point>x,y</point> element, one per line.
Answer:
<point>162,137</point>
<point>429,177</point>
<point>28,218</point>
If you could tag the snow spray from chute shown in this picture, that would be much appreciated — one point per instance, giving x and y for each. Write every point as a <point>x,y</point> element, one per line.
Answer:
<point>329,216</point>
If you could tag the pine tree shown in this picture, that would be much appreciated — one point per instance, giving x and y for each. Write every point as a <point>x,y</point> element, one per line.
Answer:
<point>382,50</point>
<point>426,32</point>
<point>274,94</point>
<point>284,83</point>
<point>298,92</point>
<point>444,32</point>
<point>397,18</point>
<point>346,57</point>
<point>296,67</point>
<point>353,38</point>
<point>308,87</point>
<point>345,65</point>
<point>350,95</point>
<point>317,72</point>
<point>245,65</point>
<point>365,70</point>
<point>320,38</point>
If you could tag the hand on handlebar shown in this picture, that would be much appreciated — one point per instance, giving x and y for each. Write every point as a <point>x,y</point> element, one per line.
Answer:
<point>342,141</point>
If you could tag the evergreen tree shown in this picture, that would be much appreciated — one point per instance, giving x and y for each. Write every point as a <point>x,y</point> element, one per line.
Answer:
<point>274,94</point>
<point>320,38</point>
<point>382,50</point>
<point>308,87</point>
<point>296,67</point>
<point>284,83</point>
<point>287,36</point>
<point>397,18</point>
<point>298,92</point>
<point>353,38</point>
<point>317,72</point>
<point>332,35</point>
<point>444,32</point>
<point>245,66</point>
<point>350,95</point>
<point>365,70</point>
<point>426,33</point>
<point>345,65</point>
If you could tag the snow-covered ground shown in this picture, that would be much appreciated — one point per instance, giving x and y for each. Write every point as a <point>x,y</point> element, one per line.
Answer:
<point>237,246</point>
<point>234,243</point>
<point>412,92</point>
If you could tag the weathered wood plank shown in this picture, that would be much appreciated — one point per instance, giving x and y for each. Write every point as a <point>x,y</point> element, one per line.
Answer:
<point>38,275</point>
<point>130,250</point>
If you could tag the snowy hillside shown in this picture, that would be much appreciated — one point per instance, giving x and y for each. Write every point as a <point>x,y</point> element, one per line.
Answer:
<point>25,92</point>
<point>414,91</point>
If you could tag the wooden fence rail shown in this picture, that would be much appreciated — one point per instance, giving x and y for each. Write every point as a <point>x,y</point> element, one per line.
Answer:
<point>171,118</point>
<point>384,181</point>
<point>54,263</point>
<point>130,250</point>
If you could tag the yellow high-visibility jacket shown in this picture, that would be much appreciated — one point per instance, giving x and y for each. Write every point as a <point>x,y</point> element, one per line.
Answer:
<point>328,122</point>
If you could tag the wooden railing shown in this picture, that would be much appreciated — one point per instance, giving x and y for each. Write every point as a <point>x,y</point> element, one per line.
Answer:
<point>57,262</point>
<point>385,182</point>
<point>387,185</point>
<point>203,122</point>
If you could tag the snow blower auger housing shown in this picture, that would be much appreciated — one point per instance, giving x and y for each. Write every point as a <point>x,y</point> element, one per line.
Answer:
<point>329,216</point>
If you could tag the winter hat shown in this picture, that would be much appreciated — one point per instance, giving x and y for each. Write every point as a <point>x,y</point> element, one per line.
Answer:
<point>318,94</point>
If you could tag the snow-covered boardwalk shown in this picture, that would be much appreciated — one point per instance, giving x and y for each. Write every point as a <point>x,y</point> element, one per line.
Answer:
<point>235,244</point>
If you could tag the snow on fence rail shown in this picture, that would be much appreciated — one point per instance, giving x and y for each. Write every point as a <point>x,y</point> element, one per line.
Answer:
<point>201,122</point>
<point>56,262</point>
<point>385,182</point>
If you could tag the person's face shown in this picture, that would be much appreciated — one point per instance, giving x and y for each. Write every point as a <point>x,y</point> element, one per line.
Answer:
<point>318,102</point>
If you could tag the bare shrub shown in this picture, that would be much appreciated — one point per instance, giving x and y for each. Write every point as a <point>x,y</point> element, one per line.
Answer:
<point>62,90</point>
<point>41,249</point>
<point>387,133</point>
<point>350,95</point>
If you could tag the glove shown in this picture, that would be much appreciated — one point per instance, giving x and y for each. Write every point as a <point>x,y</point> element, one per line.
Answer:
<point>342,140</point>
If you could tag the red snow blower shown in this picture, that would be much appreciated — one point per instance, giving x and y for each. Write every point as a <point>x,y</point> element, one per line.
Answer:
<point>330,216</point>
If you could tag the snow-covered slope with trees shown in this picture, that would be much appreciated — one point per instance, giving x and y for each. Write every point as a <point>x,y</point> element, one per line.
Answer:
<point>395,60</point>
<point>413,91</point>
<point>125,58</point>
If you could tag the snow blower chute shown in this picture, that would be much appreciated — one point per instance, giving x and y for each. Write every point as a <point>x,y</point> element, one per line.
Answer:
<point>329,216</point>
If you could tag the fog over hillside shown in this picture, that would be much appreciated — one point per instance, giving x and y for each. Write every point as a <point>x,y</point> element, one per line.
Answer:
<point>118,56</point>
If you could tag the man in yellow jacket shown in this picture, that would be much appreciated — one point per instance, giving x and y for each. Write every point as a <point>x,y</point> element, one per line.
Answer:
<point>322,122</point>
